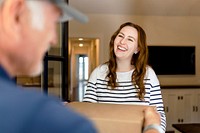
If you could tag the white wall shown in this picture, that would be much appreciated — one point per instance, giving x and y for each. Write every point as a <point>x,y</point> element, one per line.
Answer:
<point>160,30</point>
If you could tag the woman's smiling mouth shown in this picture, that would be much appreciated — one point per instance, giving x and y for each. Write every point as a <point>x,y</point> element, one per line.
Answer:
<point>122,48</point>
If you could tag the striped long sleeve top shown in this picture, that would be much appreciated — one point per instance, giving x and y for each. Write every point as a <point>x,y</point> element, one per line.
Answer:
<point>125,93</point>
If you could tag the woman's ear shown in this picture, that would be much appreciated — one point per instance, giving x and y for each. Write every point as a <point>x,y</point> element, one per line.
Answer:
<point>11,13</point>
<point>137,50</point>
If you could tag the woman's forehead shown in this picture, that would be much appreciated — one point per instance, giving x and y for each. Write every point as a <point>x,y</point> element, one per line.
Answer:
<point>128,30</point>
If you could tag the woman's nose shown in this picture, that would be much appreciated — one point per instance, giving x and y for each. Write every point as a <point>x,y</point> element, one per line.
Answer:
<point>123,41</point>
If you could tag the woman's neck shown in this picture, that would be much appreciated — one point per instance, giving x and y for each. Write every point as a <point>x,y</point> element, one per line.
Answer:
<point>124,66</point>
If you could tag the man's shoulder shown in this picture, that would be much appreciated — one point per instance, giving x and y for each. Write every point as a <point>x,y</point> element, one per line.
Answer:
<point>31,106</point>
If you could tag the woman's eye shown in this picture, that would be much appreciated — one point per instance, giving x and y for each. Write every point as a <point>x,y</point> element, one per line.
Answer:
<point>120,36</point>
<point>130,40</point>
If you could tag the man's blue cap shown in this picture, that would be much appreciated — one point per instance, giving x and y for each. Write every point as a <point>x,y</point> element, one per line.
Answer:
<point>68,12</point>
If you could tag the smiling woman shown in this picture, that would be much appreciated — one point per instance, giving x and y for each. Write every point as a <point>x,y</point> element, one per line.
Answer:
<point>126,78</point>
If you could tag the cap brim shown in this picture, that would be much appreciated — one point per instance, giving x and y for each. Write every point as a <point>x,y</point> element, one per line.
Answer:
<point>68,12</point>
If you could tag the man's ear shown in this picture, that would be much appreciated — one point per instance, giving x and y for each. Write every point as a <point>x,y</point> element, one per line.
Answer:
<point>11,14</point>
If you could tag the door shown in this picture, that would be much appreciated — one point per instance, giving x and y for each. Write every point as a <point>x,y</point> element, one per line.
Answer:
<point>82,75</point>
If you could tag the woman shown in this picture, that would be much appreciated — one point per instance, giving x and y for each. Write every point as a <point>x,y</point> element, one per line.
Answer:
<point>126,78</point>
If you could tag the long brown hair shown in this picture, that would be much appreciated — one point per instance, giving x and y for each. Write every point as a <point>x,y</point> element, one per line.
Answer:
<point>139,60</point>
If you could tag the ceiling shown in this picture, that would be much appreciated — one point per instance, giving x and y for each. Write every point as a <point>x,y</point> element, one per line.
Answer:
<point>139,7</point>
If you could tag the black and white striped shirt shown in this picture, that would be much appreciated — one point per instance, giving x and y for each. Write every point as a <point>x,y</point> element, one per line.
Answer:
<point>125,93</point>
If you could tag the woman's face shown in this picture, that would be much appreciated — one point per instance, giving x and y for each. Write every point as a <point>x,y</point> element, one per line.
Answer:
<point>126,43</point>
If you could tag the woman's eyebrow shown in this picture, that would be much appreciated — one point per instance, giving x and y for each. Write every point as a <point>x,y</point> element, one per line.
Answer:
<point>132,37</point>
<point>128,36</point>
<point>121,33</point>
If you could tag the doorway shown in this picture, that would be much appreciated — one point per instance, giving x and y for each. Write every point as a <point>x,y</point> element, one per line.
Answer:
<point>82,71</point>
<point>83,57</point>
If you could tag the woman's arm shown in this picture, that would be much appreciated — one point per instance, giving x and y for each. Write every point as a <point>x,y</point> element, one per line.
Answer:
<point>156,96</point>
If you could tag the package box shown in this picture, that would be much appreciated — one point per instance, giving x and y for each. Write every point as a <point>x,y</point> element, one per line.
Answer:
<point>112,118</point>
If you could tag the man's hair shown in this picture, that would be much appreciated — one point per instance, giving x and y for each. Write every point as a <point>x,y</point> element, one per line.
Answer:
<point>37,13</point>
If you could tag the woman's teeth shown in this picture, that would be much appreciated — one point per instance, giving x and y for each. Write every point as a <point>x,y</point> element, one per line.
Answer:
<point>121,48</point>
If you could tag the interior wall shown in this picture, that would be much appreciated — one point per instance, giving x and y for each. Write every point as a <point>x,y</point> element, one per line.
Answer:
<point>160,30</point>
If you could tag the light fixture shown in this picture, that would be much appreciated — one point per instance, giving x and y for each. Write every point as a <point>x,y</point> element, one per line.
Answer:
<point>80,39</point>
<point>80,45</point>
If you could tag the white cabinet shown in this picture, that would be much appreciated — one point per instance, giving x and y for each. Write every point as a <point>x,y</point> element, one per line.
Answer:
<point>170,103</point>
<point>196,107</point>
<point>181,106</point>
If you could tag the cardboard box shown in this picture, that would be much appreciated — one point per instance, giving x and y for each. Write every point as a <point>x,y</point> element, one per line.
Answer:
<point>112,118</point>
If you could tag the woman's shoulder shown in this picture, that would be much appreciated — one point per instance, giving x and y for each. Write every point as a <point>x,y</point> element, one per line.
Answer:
<point>151,75</point>
<point>100,71</point>
<point>150,71</point>
<point>102,68</point>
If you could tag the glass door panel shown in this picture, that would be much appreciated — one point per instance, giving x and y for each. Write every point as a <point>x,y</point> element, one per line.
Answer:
<point>56,49</point>
<point>54,78</point>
